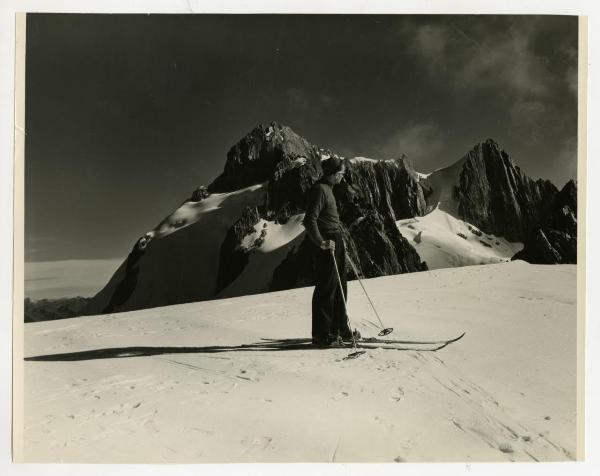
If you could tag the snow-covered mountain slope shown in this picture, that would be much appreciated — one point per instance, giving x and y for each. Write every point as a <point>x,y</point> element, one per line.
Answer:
<point>277,241</point>
<point>181,256</point>
<point>218,381</point>
<point>440,240</point>
<point>443,241</point>
<point>443,182</point>
<point>229,240</point>
<point>225,205</point>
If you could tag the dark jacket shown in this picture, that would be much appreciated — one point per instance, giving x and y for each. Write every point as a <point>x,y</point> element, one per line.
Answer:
<point>321,213</point>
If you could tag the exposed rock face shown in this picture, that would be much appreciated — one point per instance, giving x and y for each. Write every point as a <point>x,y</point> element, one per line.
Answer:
<point>127,285</point>
<point>484,188</point>
<point>287,189</point>
<point>563,212</point>
<point>391,187</point>
<point>373,245</point>
<point>378,191</point>
<point>554,240</point>
<point>296,270</point>
<point>377,248</point>
<point>199,194</point>
<point>265,153</point>
<point>52,309</point>
<point>233,255</point>
<point>491,192</point>
<point>494,194</point>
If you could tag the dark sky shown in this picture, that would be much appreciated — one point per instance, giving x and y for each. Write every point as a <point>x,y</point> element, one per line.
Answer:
<point>127,114</point>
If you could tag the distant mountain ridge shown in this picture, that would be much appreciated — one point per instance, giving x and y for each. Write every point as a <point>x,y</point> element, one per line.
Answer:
<point>487,189</point>
<point>51,309</point>
<point>242,233</point>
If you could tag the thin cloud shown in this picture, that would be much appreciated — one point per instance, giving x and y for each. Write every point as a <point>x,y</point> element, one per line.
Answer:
<point>307,106</point>
<point>496,55</point>
<point>421,143</point>
<point>529,118</point>
<point>480,59</point>
<point>571,74</point>
<point>568,157</point>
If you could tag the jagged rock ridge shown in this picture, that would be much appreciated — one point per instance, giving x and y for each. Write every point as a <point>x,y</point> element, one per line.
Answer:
<point>495,195</point>
<point>489,191</point>
<point>554,239</point>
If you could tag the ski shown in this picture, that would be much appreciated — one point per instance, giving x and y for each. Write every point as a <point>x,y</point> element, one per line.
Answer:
<point>375,340</point>
<point>364,344</point>
<point>417,347</point>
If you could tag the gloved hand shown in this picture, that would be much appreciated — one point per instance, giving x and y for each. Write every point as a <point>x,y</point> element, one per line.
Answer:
<point>328,245</point>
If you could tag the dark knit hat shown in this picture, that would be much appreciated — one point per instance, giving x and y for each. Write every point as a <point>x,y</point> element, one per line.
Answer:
<point>332,165</point>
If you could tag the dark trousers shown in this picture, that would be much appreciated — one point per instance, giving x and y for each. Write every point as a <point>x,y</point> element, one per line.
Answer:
<point>328,308</point>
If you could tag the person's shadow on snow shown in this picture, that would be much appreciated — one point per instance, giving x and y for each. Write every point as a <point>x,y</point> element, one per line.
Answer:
<point>122,352</point>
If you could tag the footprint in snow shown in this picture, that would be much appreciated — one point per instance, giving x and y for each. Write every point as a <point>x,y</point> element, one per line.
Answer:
<point>398,395</point>
<point>506,448</point>
<point>340,396</point>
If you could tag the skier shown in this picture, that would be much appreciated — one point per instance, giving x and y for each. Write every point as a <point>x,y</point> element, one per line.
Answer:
<point>322,223</point>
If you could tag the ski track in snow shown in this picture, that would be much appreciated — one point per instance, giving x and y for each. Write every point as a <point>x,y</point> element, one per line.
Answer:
<point>176,384</point>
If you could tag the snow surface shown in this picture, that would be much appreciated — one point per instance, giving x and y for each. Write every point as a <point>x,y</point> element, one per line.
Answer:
<point>363,159</point>
<point>199,382</point>
<point>279,240</point>
<point>443,182</point>
<point>443,241</point>
<point>191,212</point>
<point>203,224</point>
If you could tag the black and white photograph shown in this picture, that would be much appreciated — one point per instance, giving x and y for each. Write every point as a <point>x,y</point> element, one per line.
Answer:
<point>301,238</point>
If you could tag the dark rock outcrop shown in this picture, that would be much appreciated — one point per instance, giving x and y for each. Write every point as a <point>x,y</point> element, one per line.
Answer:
<point>496,196</point>
<point>492,193</point>
<point>484,188</point>
<point>52,309</point>
<point>391,187</point>
<point>377,248</point>
<point>199,194</point>
<point>127,285</point>
<point>381,191</point>
<point>261,155</point>
<point>233,254</point>
<point>374,247</point>
<point>296,270</point>
<point>287,189</point>
<point>554,240</point>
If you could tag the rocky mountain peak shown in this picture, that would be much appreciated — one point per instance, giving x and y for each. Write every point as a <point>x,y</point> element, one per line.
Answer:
<point>489,151</point>
<point>568,195</point>
<point>554,239</point>
<point>263,153</point>
<point>494,194</point>
<point>484,188</point>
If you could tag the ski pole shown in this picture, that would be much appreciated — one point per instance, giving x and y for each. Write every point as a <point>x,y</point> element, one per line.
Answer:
<point>337,273</point>
<point>385,330</point>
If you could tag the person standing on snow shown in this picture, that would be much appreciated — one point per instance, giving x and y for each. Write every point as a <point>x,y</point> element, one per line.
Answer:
<point>322,223</point>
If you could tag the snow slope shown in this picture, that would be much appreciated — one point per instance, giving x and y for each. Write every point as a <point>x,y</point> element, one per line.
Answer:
<point>278,241</point>
<point>185,245</point>
<point>214,381</point>
<point>443,182</point>
<point>445,242</point>
<point>181,259</point>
